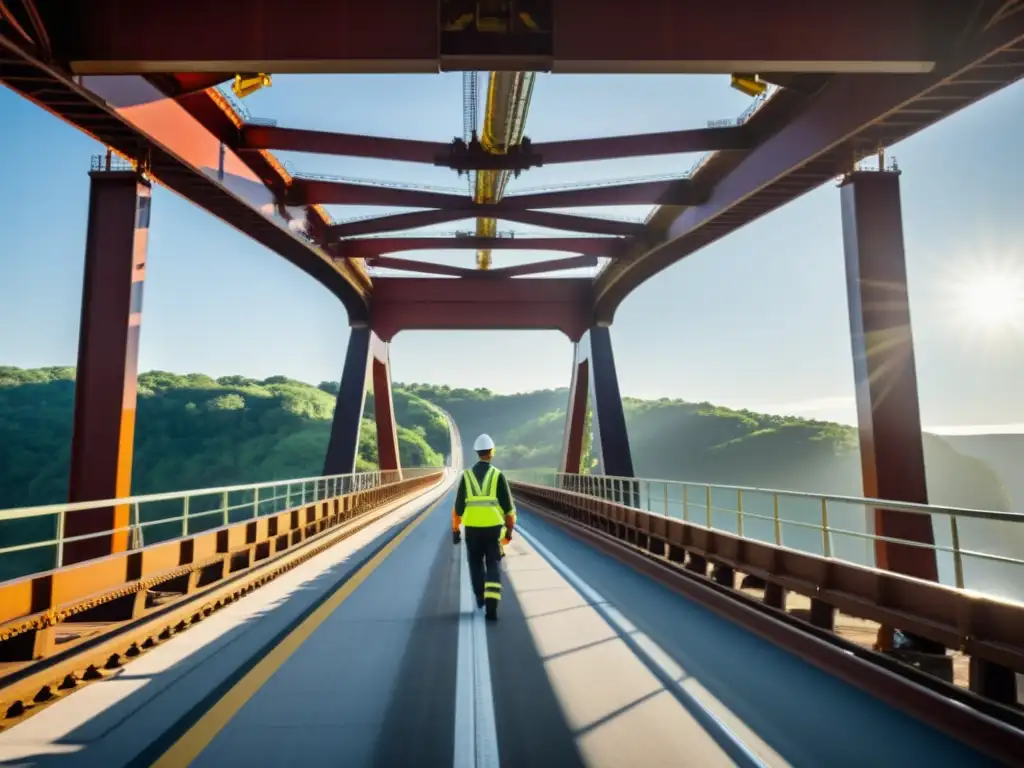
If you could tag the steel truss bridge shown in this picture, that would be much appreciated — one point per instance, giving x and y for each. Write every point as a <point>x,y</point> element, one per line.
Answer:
<point>328,620</point>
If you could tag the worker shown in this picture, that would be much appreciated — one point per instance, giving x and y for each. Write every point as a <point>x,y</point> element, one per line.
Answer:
<point>484,507</point>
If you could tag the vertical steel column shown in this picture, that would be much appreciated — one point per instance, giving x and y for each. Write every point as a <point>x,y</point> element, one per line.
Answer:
<point>891,446</point>
<point>108,351</point>
<point>365,361</point>
<point>343,446</point>
<point>575,417</point>
<point>384,406</point>
<point>609,418</point>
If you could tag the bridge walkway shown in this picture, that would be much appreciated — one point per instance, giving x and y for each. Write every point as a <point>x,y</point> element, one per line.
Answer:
<point>370,654</point>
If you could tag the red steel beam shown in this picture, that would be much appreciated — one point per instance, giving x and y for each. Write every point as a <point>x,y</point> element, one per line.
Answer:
<point>643,145</point>
<point>370,247</point>
<point>305,191</point>
<point>540,267</point>
<point>564,221</point>
<point>254,137</point>
<point>845,107</point>
<point>347,144</point>
<point>587,36</point>
<point>411,265</point>
<point>481,303</point>
<point>666,192</point>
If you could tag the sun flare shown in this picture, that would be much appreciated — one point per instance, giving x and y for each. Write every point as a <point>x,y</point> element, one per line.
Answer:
<point>991,299</point>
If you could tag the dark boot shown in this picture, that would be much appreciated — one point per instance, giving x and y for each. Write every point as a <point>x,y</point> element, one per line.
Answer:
<point>491,610</point>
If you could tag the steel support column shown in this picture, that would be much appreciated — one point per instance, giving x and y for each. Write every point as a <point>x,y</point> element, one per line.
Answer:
<point>891,446</point>
<point>576,418</point>
<point>108,350</point>
<point>596,389</point>
<point>384,405</point>
<point>365,360</point>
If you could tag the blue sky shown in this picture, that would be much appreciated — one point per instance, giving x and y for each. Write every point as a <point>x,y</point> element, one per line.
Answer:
<point>757,320</point>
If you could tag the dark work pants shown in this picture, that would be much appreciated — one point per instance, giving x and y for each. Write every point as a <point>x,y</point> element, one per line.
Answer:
<point>483,547</point>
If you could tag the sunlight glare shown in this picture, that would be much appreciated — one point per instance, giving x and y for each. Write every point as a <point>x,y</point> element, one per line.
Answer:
<point>992,299</point>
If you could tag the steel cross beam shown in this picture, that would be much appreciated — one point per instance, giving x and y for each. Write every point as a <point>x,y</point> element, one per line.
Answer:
<point>411,265</point>
<point>256,137</point>
<point>596,36</point>
<point>481,303</point>
<point>308,191</point>
<point>371,247</point>
<point>845,121</point>
<point>433,268</point>
<point>401,221</point>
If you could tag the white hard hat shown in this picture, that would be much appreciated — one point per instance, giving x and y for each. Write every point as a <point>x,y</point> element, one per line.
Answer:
<point>483,443</point>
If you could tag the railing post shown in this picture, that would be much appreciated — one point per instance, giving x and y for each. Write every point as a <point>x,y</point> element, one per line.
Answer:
<point>255,503</point>
<point>958,560</point>
<point>665,488</point>
<point>826,544</point>
<point>739,512</point>
<point>686,503</point>
<point>224,503</point>
<point>184,517</point>
<point>777,523</point>
<point>137,539</point>
<point>707,494</point>
<point>60,538</point>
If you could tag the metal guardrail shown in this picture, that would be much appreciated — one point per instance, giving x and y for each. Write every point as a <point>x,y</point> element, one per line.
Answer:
<point>110,163</point>
<point>823,525</point>
<point>38,532</point>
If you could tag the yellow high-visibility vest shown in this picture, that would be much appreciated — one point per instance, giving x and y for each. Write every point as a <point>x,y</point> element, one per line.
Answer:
<point>482,507</point>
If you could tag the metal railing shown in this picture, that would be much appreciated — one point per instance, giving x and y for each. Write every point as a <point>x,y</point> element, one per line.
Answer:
<point>110,163</point>
<point>839,527</point>
<point>33,539</point>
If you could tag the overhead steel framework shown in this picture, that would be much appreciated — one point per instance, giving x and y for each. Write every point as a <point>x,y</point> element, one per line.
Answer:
<point>850,79</point>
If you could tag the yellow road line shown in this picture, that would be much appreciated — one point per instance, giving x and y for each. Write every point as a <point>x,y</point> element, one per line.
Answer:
<point>197,738</point>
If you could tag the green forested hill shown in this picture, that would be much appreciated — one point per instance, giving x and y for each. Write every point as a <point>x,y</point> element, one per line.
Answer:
<point>677,440</point>
<point>194,431</point>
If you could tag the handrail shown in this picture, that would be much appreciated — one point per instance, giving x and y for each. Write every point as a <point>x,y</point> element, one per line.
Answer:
<point>899,506</point>
<point>987,630</point>
<point>703,509</point>
<point>197,510</point>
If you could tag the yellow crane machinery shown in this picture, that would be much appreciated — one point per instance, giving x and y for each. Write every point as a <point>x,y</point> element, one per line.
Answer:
<point>247,84</point>
<point>508,101</point>
<point>751,85</point>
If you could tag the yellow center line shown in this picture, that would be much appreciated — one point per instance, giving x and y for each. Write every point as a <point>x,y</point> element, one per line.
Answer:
<point>197,738</point>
